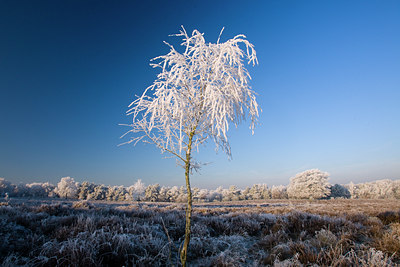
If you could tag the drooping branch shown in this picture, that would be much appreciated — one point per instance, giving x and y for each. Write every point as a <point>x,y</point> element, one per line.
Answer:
<point>205,86</point>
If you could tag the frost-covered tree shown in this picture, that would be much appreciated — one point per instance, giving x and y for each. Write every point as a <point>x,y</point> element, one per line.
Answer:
<point>204,195</point>
<point>85,190</point>
<point>67,188</point>
<point>352,189</point>
<point>137,190</point>
<point>259,191</point>
<point>163,194</point>
<point>117,193</point>
<point>49,189</point>
<point>233,193</point>
<point>99,193</point>
<point>20,190</point>
<point>217,194</point>
<point>173,194</point>
<point>245,194</point>
<point>152,192</point>
<point>197,95</point>
<point>396,189</point>
<point>41,190</point>
<point>380,189</point>
<point>35,190</point>
<point>279,192</point>
<point>309,184</point>
<point>384,189</point>
<point>339,191</point>
<point>5,187</point>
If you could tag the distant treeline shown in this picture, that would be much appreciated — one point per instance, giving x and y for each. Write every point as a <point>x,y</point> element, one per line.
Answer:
<point>68,188</point>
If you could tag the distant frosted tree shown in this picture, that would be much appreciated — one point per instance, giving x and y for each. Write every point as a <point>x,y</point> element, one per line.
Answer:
<point>35,190</point>
<point>226,196</point>
<point>137,190</point>
<point>173,194</point>
<point>49,189</point>
<point>246,194</point>
<point>352,189</point>
<point>5,187</point>
<point>396,189</point>
<point>67,188</point>
<point>380,189</point>
<point>234,193</point>
<point>384,189</point>
<point>163,194</point>
<point>85,190</point>
<point>265,191</point>
<point>216,195</point>
<point>110,193</point>
<point>339,191</point>
<point>152,192</point>
<point>182,195</point>
<point>203,195</point>
<point>259,191</point>
<point>99,193</point>
<point>279,192</point>
<point>255,192</point>
<point>20,190</point>
<point>195,97</point>
<point>309,184</point>
<point>195,193</point>
<point>365,190</point>
<point>117,193</point>
<point>41,190</point>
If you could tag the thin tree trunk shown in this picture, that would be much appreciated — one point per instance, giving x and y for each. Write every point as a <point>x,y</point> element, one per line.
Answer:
<point>189,202</point>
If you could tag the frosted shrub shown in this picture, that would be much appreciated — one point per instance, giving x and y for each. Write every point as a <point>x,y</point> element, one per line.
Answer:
<point>279,192</point>
<point>375,258</point>
<point>203,195</point>
<point>137,190</point>
<point>117,193</point>
<point>152,192</point>
<point>339,191</point>
<point>67,188</point>
<point>396,189</point>
<point>40,190</point>
<point>390,241</point>
<point>293,262</point>
<point>259,191</point>
<point>379,189</point>
<point>325,238</point>
<point>86,190</point>
<point>99,193</point>
<point>5,187</point>
<point>83,204</point>
<point>309,184</point>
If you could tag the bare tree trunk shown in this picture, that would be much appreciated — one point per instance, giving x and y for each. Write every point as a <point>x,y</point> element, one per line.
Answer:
<point>189,202</point>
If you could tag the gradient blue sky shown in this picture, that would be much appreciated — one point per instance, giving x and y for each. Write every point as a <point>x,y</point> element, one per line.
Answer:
<point>328,81</point>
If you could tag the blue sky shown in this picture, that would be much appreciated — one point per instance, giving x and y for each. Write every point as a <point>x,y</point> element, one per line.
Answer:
<point>328,82</point>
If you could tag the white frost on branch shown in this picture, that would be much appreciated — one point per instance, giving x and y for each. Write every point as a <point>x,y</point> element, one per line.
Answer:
<point>200,92</point>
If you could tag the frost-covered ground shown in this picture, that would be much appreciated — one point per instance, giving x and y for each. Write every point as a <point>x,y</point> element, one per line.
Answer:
<point>247,233</point>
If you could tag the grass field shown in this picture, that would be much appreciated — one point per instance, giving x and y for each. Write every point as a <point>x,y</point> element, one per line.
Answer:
<point>342,232</point>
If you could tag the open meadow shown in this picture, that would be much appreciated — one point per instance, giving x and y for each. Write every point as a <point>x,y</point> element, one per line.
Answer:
<point>336,232</point>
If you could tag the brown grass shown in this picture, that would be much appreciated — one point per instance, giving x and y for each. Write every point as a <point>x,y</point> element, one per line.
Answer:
<point>245,233</point>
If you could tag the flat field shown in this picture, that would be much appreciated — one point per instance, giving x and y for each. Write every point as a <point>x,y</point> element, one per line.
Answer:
<point>340,232</point>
